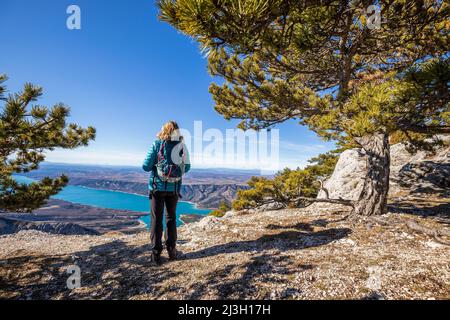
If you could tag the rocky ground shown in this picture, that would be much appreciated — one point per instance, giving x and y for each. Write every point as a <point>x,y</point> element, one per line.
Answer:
<point>310,253</point>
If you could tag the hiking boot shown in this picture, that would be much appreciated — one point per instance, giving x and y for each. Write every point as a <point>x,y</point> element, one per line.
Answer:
<point>173,254</point>
<point>156,257</point>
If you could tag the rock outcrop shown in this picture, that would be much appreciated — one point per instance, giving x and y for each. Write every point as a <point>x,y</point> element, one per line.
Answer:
<point>347,179</point>
<point>421,173</point>
<point>416,174</point>
<point>9,226</point>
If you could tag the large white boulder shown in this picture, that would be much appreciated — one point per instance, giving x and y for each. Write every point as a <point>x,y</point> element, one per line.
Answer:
<point>417,174</point>
<point>347,179</point>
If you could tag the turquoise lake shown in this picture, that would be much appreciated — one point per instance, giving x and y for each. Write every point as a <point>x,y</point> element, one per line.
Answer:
<point>115,200</point>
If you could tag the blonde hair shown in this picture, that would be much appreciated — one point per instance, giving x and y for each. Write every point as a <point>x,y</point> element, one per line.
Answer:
<point>167,130</point>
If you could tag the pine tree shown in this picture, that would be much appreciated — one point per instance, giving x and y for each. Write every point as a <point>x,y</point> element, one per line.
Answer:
<point>289,187</point>
<point>219,212</point>
<point>27,131</point>
<point>329,65</point>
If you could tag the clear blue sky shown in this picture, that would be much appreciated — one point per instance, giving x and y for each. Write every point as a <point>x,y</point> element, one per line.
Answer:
<point>125,73</point>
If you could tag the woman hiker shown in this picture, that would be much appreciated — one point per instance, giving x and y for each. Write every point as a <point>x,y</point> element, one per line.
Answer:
<point>167,161</point>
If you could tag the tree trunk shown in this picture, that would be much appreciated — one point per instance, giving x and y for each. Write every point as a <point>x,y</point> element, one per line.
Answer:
<point>373,198</point>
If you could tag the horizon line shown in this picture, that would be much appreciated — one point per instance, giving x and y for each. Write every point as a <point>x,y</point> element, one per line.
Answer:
<point>137,166</point>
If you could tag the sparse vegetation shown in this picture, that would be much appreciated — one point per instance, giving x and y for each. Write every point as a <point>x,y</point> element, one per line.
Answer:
<point>288,187</point>
<point>219,212</point>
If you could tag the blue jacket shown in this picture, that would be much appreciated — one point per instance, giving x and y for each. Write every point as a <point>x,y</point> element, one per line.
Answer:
<point>149,164</point>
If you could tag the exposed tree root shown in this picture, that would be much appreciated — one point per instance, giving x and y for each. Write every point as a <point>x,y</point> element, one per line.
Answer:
<point>327,199</point>
<point>297,201</point>
<point>379,220</point>
<point>349,203</point>
<point>436,234</point>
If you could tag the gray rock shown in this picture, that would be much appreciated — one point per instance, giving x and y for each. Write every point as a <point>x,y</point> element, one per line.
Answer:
<point>190,218</point>
<point>347,179</point>
<point>418,173</point>
<point>229,214</point>
<point>272,206</point>
<point>422,172</point>
<point>207,222</point>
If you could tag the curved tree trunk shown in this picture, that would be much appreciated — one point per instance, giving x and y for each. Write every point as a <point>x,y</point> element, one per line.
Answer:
<point>373,198</point>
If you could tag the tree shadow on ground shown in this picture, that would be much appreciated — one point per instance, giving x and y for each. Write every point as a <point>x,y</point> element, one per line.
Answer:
<point>426,177</point>
<point>283,241</point>
<point>423,209</point>
<point>260,269</point>
<point>266,265</point>
<point>117,270</point>
<point>263,266</point>
<point>112,270</point>
<point>306,226</point>
<point>297,226</point>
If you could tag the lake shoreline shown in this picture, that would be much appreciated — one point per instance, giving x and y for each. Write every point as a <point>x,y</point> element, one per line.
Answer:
<point>104,204</point>
<point>196,205</point>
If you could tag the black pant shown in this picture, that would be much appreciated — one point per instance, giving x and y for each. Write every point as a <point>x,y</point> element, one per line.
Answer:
<point>158,200</point>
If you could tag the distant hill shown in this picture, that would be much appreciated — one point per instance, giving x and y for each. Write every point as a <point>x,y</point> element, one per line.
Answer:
<point>136,174</point>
